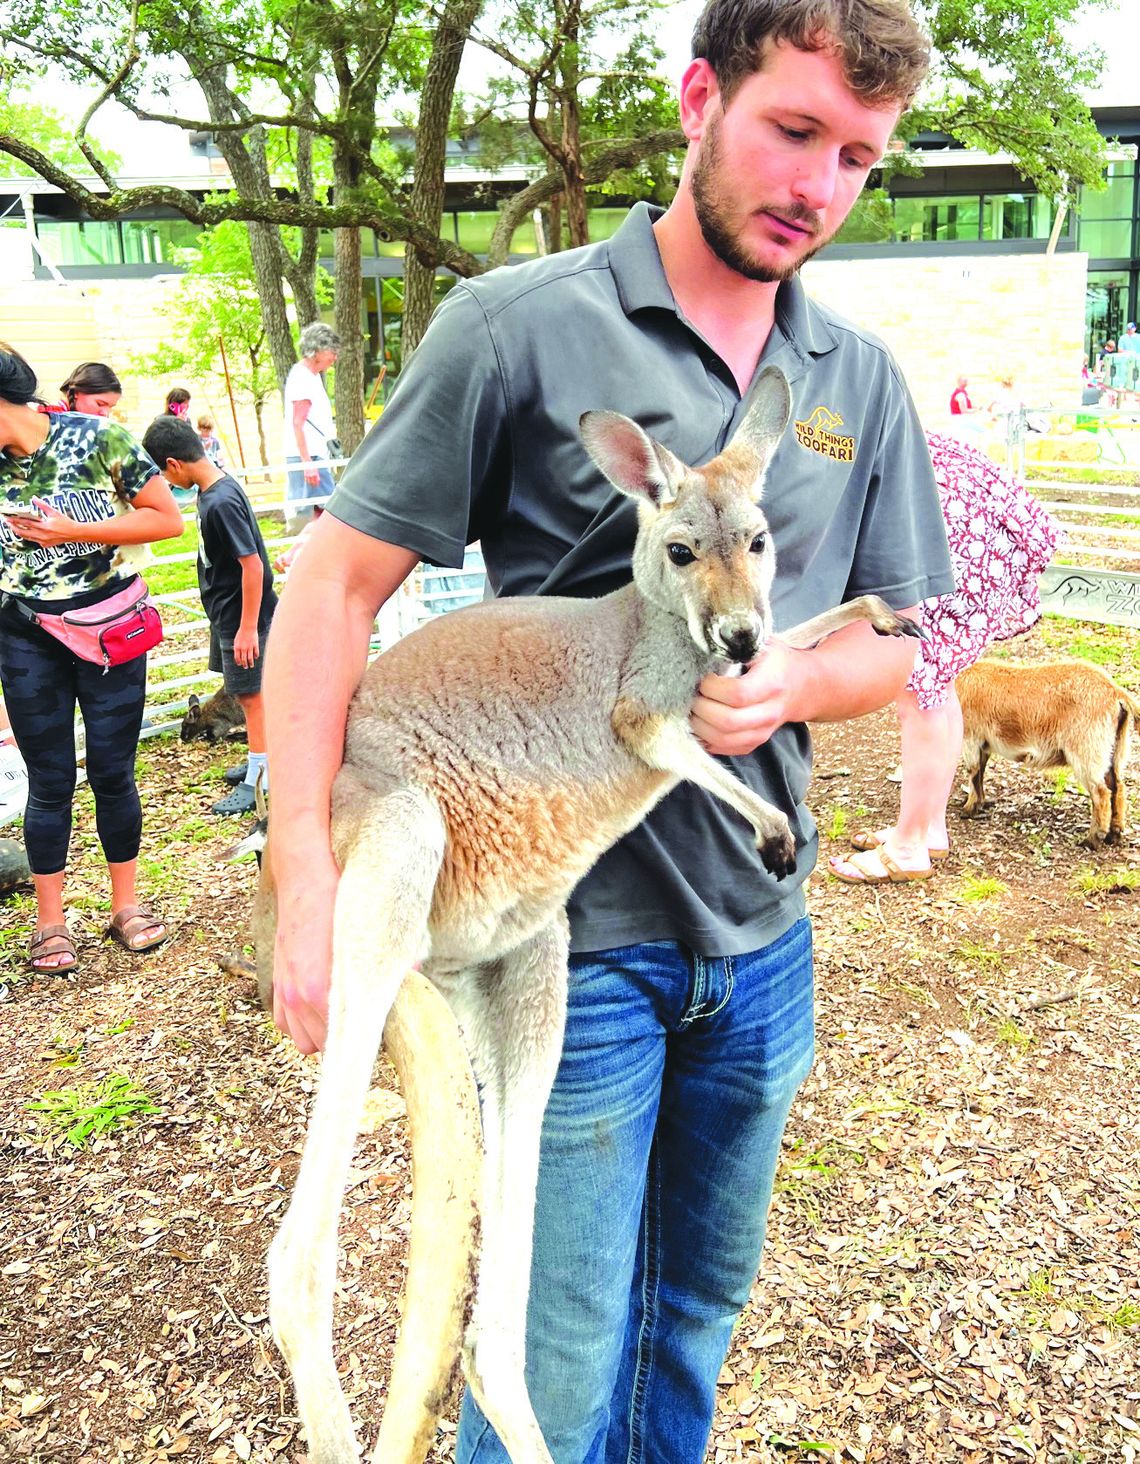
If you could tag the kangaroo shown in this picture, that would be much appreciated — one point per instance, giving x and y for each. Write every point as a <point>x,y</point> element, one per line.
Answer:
<point>217,718</point>
<point>1062,714</point>
<point>490,758</point>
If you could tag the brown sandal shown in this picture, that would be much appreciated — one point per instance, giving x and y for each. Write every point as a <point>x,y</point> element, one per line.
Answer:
<point>52,940</point>
<point>128,925</point>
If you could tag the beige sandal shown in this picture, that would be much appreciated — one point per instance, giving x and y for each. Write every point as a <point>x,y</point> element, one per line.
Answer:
<point>890,871</point>
<point>52,940</point>
<point>868,839</point>
<point>128,925</point>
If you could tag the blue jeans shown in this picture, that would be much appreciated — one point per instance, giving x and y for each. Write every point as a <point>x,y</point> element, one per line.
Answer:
<point>659,1148</point>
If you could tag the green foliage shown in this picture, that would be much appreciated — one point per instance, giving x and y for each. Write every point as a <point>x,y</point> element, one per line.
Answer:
<point>976,888</point>
<point>1120,880</point>
<point>45,129</point>
<point>217,303</point>
<point>1007,78</point>
<point>91,1109</point>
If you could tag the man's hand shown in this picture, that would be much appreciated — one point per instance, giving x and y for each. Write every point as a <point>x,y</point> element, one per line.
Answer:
<point>302,960</point>
<point>734,715</point>
<point>312,474</point>
<point>247,648</point>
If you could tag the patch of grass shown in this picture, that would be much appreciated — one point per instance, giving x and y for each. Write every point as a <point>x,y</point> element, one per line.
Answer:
<point>986,958</point>
<point>1060,784</point>
<point>1127,1314</point>
<point>801,1446</point>
<point>1119,880</point>
<point>91,1109</point>
<point>975,888</point>
<point>1012,1035</point>
<point>124,1026</point>
<point>838,825</point>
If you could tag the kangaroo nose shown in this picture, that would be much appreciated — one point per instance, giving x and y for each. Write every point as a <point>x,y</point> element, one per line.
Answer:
<point>740,644</point>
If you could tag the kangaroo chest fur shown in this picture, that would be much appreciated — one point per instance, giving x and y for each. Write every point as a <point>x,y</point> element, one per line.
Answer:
<point>511,734</point>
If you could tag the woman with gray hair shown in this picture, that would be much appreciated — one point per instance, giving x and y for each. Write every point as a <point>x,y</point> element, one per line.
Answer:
<point>310,436</point>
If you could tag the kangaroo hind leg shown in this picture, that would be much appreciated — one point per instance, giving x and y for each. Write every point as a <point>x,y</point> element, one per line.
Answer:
<point>390,848</point>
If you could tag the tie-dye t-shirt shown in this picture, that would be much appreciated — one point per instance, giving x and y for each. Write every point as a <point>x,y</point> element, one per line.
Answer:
<point>88,468</point>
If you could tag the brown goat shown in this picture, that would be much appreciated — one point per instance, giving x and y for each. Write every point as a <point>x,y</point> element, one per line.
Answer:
<point>1064,714</point>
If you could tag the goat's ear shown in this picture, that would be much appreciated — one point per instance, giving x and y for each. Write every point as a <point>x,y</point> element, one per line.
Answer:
<point>631,459</point>
<point>767,414</point>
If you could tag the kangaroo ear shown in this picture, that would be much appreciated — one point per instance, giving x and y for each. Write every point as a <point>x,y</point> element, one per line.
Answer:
<point>768,412</point>
<point>631,459</point>
<point>193,707</point>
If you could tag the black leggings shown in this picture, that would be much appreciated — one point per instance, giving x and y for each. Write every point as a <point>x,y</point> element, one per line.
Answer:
<point>42,682</point>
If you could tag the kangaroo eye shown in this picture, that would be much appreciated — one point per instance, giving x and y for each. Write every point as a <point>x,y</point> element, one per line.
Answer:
<point>680,553</point>
<point>757,545</point>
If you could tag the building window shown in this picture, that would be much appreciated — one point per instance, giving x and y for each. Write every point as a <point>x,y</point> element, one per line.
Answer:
<point>474,227</point>
<point>1106,304</point>
<point>78,242</point>
<point>938,220</point>
<point>1105,227</point>
<point>1016,216</point>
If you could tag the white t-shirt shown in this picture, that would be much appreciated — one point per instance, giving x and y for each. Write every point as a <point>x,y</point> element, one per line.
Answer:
<point>303,385</point>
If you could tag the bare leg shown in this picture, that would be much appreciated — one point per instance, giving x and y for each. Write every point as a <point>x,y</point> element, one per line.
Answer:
<point>931,747</point>
<point>49,911</point>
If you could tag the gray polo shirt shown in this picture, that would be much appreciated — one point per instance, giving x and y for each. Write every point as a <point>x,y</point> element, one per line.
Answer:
<point>480,441</point>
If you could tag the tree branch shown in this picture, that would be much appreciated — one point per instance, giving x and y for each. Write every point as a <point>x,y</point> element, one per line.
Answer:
<point>110,89</point>
<point>624,154</point>
<point>272,210</point>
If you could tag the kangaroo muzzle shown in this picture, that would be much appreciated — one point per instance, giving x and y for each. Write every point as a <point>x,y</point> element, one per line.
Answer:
<point>738,636</point>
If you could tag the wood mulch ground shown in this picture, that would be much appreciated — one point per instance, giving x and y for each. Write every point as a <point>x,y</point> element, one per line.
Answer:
<point>952,1270</point>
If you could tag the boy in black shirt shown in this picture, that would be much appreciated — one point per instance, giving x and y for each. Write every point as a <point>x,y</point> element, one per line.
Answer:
<point>235,582</point>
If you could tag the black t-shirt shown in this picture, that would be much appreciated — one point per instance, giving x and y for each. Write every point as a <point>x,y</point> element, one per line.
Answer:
<point>228,532</point>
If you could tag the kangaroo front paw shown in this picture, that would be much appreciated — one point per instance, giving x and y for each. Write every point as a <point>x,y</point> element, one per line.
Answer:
<point>778,853</point>
<point>892,624</point>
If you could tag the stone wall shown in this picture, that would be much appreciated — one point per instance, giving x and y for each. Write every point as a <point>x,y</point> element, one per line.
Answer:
<point>980,317</point>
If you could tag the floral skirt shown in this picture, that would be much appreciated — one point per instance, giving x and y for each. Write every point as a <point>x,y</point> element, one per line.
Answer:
<point>1000,540</point>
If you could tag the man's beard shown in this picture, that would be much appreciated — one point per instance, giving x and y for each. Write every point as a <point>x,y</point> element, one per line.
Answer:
<point>713,216</point>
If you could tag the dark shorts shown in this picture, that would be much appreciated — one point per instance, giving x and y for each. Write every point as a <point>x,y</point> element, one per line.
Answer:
<point>237,680</point>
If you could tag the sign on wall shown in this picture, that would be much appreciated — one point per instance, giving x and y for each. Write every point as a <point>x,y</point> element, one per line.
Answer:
<point>1102,595</point>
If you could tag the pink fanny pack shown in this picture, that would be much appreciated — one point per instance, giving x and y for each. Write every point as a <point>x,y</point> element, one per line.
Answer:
<point>124,625</point>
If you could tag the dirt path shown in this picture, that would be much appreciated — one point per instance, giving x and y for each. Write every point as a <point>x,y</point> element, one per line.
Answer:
<point>952,1269</point>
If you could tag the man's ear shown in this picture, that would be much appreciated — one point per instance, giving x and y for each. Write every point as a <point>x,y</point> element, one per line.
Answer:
<point>700,92</point>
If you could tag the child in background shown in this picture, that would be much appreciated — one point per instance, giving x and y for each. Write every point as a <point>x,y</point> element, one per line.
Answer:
<point>235,582</point>
<point>210,442</point>
<point>177,402</point>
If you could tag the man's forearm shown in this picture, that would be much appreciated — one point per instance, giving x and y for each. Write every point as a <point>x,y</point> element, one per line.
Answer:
<point>854,672</point>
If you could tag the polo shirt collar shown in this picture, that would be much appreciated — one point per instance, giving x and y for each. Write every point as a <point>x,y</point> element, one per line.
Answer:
<point>641,285</point>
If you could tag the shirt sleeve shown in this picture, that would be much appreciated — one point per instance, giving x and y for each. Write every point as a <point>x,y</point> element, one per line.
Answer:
<point>117,448</point>
<point>437,464</point>
<point>901,551</point>
<point>232,530</point>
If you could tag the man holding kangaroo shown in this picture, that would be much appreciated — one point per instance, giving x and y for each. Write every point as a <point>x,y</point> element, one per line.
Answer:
<point>690,1019</point>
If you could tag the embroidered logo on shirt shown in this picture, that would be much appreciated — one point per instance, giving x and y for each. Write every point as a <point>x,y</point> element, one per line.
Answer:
<point>817,433</point>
